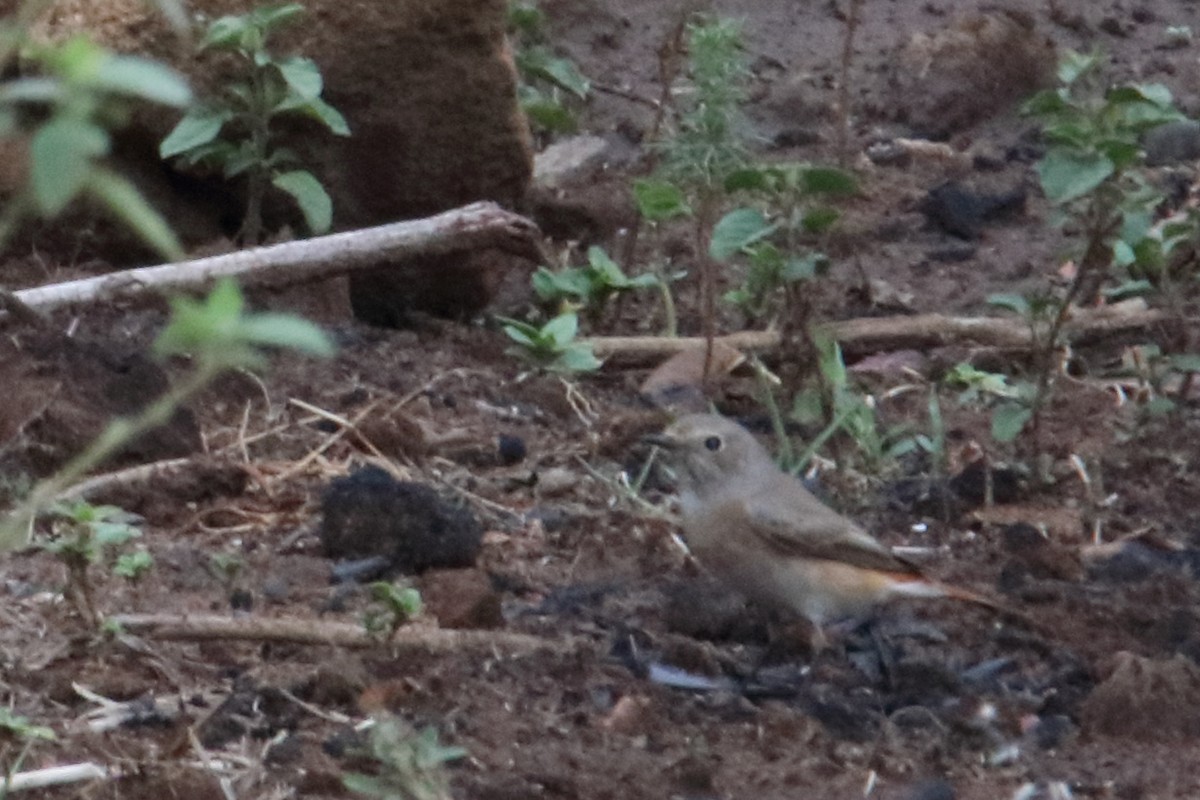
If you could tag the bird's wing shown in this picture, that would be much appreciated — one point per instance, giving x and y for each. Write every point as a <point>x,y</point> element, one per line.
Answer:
<point>798,525</point>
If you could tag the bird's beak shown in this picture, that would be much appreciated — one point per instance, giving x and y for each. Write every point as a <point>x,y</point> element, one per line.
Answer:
<point>661,440</point>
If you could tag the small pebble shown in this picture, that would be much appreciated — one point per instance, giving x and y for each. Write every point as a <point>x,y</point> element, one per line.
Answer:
<point>510,449</point>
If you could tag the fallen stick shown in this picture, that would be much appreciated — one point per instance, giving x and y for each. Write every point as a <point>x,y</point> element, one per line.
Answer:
<point>436,641</point>
<point>878,334</point>
<point>54,776</point>
<point>477,226</point>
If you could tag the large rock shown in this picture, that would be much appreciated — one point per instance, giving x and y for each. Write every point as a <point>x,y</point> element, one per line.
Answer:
<point>428,89</point>
<point>977,67</point>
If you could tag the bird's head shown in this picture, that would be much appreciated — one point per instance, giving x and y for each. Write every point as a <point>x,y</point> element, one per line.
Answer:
<point>712,453</point>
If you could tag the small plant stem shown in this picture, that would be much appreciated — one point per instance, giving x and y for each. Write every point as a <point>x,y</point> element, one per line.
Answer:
<point>1089,275</point>
<point>259,139</point>
<point>708,274</point>
<point>843,102</point>
<point>670,59</point>
<point>671,321</point>
<point>778,424</point>
<point>117,435</point>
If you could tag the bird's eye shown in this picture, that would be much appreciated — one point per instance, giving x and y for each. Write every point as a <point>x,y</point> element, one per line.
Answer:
<point>713,443</point>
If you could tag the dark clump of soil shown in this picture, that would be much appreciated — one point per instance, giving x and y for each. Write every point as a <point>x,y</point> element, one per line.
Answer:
<point>370,513</point>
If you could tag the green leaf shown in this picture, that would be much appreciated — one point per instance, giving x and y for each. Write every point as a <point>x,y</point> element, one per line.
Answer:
<point>801,269</point>
<point>319,110</point>
<point>564,74</point>
<point>310,195</point>
<point>32,90</point>
<point>302,75</point>
<point>1008,420</point>
<point>526,18</point>
<point>61,157</point>
<point>1067,175</point>
<point>194,324</point>
<point>829,180</point>
<point>538,62</point>
<point>133,565</point>
<point>1185,362</point>
<point>736,230</point>
<point>287,331</point>
<point>126,203</point>
<point>1075,65</point>
<point>829,359</point>
<point>369,785</point>
<point>1015,303</point>
<point>1045,104</point>
<point>145,78</point>
<point>820,219</point>
<point>548,114</point>
<point>268,18</point>
<point>753,179</point>
<point>199,126</point>
<point>226,32</point>
<point>659,200</point>
<point>578,358</point>
<point>562,329</point>
<point>607,270</point>
<point>519,332</point>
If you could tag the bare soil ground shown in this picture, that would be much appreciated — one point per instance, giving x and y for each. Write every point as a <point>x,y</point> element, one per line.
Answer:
<point>650,681</point>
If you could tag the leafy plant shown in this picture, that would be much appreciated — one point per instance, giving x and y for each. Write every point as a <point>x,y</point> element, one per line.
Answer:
<point>396,605</point>
<point>15,726</point>
<point>553,345</point>
<point>773,239</point>
<point>842,408</point>
<point>591,286</point>
<point>977,384</point>
<point>134,566</point>
<point>1090,172</point>
<point>237,131</point>
<point>67,112</point>
<point>412,765</point>
<point>219,335</point>
<point>550,85</point>
<point>81,535</point>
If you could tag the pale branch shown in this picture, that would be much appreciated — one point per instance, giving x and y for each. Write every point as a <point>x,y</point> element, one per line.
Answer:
<point>879,334</point>
<point>202,627</point>
<point>477,226</point>
<point>56,776</point>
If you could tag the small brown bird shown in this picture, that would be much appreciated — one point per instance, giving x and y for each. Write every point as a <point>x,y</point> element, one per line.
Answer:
<point>758,529</point>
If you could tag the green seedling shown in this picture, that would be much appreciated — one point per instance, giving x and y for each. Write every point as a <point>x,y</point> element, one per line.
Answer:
<point>134,566</point>
<point>395,606</point>
<point>592,286</point>
<point>82,535</point>
<point>838,405</point>
<point>411,765</point>
<point>237,131</point>
<point>67,110</point>
<point>776,236</point>
<point>1091,173</point>
<point>977,385</point>
<point>27,735</point>
<point>551,86</point>
<point>552,346</point>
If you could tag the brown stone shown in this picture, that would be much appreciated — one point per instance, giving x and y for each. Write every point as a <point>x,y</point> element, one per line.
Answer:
<point>971,70</point>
